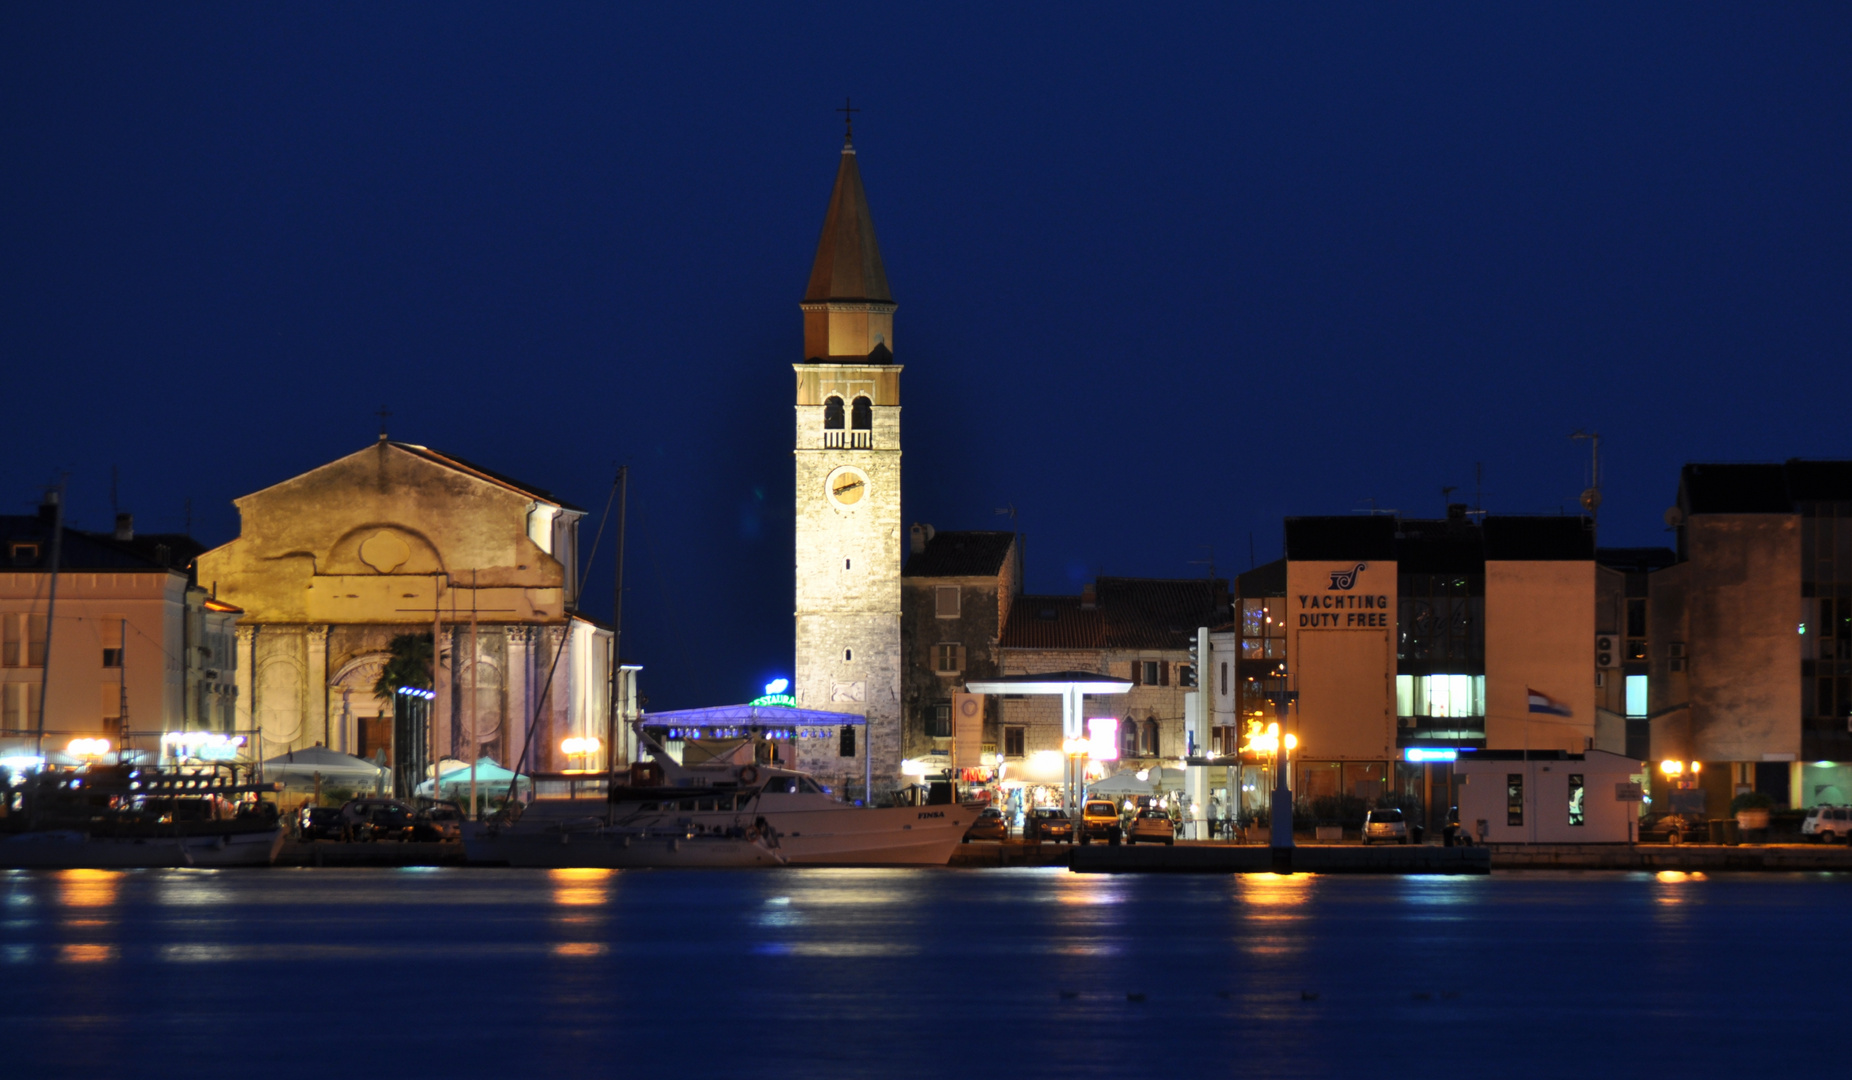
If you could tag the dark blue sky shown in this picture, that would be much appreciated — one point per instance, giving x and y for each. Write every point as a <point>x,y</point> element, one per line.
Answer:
<point>1165,275</point>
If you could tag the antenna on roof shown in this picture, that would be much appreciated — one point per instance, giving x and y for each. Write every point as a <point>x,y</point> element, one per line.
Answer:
<point>1209,562</point>
<point>114,474</point>
<point>1010,511</point>
<point>1591,498</point>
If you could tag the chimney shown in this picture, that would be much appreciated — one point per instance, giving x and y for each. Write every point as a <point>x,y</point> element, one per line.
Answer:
<point>1089,596</point>
<point>125,527</point>
<point>48,510</point>
<point>1456,514</point>
<point>918,537</point>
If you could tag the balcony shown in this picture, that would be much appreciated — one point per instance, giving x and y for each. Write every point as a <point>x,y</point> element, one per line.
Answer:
<point>838,439</point>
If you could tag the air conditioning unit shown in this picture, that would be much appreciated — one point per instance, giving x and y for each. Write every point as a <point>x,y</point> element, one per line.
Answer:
<point>1607,650</point>
<point>1677,649</point>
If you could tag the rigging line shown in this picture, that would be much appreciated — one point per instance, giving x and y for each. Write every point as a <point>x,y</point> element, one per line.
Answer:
<point>597,537</point>
<point>565,643</point>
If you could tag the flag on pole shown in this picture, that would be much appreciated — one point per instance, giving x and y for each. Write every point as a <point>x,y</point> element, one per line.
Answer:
<point>1544,703</point>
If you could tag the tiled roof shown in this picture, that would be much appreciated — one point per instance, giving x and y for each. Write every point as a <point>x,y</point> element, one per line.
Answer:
<point>79,551</point>
<point>961,554</point>
<point>848,265</point>
<point>1128,613</point>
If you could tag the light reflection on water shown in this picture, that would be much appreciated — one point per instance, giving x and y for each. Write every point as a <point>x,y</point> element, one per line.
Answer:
<point>850,973</point>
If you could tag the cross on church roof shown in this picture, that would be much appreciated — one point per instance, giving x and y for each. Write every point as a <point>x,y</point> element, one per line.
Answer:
<point>848,112</point>
<point>382,414</point>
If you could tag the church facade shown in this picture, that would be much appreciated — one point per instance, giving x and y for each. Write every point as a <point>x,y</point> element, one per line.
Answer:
<point>395,539</point>
<point>848,521</point>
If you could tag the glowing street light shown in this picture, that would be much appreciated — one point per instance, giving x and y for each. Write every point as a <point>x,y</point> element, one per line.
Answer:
<point>88,749</point>
<point>580,747</point>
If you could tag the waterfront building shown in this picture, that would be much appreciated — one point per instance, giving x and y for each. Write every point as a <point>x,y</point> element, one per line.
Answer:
<point>136,651</point>
<point>1139,629</point>
<point>1548,797</point>
<point>398,539</point>
<point>1412,641</point>
<point>848,653</point>
<point>1748,643</point>
<point>957,590</point>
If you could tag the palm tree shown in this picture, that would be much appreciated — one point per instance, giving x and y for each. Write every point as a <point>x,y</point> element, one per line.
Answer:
<point>410,665</point>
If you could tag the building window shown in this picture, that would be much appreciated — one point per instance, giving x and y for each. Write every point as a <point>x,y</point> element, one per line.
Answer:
<point>1636,695</point>
<point>1440,621</point>
<point>1224,678</point>
<point>22,640</point>
<point>848,655</point>
<point>1575,799</point>
<point>862,416</point>
<point>1148,673</point>
<point>1128,738</point>
<point>845,742</point>
<point>19,704</point>
<point>1263,628</point>
<point>1455,696</point>
<point>945,602</point>
<point>1514,798</point>
<point>25,554</point>
<point>832,414</point>
<point>1186,675</point>
<point>948,658</point>
<point>1012,742</point>
<point>112,658</point>
<point>1149,738</point>
<point>939,721</point>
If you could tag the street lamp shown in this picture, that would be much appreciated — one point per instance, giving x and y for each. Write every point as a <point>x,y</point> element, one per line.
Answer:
<point>1281,688</point>
<point>580,748</point>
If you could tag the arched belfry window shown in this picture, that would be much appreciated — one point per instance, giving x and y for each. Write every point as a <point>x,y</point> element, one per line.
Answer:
<point>864,415</point>
<point>832,414</point>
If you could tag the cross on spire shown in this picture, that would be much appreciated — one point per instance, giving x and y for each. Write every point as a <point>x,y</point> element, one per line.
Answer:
<point>382,414</point>
<point>848,112</point>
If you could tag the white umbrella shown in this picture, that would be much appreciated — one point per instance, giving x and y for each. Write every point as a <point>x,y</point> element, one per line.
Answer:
<point>1125,783</point>
<point>334,766</point>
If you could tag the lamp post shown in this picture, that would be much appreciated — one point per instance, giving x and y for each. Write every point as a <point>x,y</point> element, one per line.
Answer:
<point>1281,689</point>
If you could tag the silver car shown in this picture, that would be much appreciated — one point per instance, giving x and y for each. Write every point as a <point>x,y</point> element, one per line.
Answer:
<point>1385,824</point>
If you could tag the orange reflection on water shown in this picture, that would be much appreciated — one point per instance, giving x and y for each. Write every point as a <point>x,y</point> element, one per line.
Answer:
<point>86,954</point>
<point>1270,905</point>
<point>579,948</point>
<point>88,888</point>
<point>1673,878</point>
<point>583,887</point>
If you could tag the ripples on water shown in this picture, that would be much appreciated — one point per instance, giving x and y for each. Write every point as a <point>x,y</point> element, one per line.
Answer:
<point>878,973</point>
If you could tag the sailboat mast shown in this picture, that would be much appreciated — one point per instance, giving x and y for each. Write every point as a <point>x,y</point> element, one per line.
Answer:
<point>617,626</point>
<point>51,612</point>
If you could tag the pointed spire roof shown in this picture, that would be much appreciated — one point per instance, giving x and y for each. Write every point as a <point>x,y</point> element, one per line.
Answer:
<point>848,265</point>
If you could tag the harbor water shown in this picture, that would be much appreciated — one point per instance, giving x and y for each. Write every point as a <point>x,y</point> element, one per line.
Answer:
<point>876,973</point>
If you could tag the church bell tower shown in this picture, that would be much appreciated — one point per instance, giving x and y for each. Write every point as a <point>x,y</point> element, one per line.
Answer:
<point>848,495</point>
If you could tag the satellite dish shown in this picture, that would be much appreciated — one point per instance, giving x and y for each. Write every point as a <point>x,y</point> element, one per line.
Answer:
<point>1674,517</point>
<point>1591,500</point>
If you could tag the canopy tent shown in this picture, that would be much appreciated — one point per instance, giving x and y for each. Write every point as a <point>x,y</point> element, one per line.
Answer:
<point>1073,687</point>
<point>749,716</point>
<point>490,776</point>
<point>1125,783</point>
<point>334,767</point>
<point>1163,780</point>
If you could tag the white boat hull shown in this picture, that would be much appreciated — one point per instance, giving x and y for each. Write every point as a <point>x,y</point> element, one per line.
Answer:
<point>70,849</point>
<point>543,844</point>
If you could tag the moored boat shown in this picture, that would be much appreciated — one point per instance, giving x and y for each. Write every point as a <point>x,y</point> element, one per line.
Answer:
<point>125,817</point>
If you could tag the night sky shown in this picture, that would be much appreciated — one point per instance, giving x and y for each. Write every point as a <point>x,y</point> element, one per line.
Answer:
<point>1165,274</point>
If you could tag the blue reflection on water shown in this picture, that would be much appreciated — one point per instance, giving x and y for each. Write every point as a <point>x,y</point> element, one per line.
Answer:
<point>864,973</point>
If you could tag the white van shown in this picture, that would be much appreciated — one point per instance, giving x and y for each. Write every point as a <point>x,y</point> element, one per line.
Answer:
<point>1828,823</point>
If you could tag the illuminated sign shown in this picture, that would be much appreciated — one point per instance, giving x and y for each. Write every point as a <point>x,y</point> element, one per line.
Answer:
<point>777,696</point>
<point>204,745</point>
<point>1103,738</point>
<point>1423,753</point>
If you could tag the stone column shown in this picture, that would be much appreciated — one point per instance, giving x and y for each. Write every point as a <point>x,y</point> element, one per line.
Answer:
<point>519,680</point>
<point>547,756</point>
<point>315,720</point>
<point>244,674</point>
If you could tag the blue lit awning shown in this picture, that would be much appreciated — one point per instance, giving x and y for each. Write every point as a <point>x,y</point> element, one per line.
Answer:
<point>751,716</point>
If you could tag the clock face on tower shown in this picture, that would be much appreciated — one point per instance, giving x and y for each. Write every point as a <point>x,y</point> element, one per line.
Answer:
<point>846,485</point>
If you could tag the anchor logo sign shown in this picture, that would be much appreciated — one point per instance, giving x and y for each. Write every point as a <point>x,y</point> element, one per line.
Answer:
<point>1346,579</point>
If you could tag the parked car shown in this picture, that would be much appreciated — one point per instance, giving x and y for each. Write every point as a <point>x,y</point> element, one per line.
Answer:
<point>379,819</point>
<point>1152,826</point>
<point>439,821</point>
<point>1049,823</point>
<point>1386,824</point>
<point>1672,828</point>
<point>1099,820</point>
<point>319,823</point>
<point>990,825</point>
<point>1828,824</point>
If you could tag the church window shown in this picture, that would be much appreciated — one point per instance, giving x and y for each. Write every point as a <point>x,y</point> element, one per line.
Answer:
<point>945,602</point>
<point>832,414</point>
<point>845,743</point>
<point>864,415</point>
<point>848,655</point>
<point>847,565</point>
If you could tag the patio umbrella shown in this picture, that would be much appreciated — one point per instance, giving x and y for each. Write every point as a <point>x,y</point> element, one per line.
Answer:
<point>334,767</point>
<point>489,776</point>
<point>1125,783</point>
